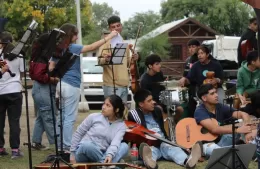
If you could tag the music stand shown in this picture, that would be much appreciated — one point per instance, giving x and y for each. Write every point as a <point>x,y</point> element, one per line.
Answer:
<point>117,56</point>
<point>236,160</point>
<point>246,152</point>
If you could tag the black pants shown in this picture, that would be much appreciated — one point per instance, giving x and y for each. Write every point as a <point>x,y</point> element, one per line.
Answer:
<point>12,104</point>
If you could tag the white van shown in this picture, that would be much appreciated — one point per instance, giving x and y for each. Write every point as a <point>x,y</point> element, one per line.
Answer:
<point>93,82</point>
<point>224,49</point>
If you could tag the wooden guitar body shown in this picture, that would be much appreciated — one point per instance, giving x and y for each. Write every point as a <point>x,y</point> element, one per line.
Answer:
<point>136,134</point>
<point>87,165</point>
<point>188,132</point>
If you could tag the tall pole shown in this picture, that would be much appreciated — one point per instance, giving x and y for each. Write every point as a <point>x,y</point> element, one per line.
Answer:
<point>83,105</point>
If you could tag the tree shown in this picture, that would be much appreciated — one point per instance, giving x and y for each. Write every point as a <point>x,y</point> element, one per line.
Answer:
<point>100,14</point>
<point>228,17</point>
<point>158,45</point>
<point>49,14</point>
<point>150,20</point>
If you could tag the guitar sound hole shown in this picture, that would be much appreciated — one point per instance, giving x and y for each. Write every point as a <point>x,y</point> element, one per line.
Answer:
<point>204,131</point>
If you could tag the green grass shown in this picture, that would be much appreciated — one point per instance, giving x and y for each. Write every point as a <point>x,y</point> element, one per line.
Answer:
<point>39,156</point>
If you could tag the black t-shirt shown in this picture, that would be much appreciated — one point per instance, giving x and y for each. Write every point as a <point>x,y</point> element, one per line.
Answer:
<point>189,62</point>
<point>197,73</point>
<point>222,114</point>
<point>151,83</point>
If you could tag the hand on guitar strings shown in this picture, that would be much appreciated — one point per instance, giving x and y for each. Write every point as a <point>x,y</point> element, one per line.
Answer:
<point>108,159</point>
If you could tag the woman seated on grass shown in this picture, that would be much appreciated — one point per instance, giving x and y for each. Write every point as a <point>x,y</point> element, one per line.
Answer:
<point>99,137</point>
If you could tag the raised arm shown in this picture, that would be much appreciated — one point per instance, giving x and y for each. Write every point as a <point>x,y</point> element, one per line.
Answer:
<point>99,43</point>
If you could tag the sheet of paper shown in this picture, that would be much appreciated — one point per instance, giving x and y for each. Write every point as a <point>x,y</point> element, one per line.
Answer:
<point>119,53</point>
<point>115,40</point>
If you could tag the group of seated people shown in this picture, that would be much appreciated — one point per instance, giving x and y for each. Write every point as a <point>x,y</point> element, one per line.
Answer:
<point>100,137</point>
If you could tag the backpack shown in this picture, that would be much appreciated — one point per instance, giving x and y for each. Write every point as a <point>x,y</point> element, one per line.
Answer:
<point>38,64</point>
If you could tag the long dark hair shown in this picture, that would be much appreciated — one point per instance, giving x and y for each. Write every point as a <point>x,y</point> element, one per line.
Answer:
<point>117,104</point>
<point>206,50</point>
<point>70,31</point>
<point>6,51</point>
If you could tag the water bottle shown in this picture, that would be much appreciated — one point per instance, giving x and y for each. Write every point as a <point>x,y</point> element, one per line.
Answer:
<point>134,154</point>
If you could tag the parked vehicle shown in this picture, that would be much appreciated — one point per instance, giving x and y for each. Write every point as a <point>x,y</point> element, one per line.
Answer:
<point>224,49</point>
<point>93,82</point>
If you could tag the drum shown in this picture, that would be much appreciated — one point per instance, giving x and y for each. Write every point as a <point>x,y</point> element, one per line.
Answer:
<point>177,96</point>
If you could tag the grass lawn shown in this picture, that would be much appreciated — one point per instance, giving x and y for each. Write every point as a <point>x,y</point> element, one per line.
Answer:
<point>39,156</point>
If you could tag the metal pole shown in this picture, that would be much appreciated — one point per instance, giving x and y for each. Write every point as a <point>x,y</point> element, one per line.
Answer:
<point>83,105</point>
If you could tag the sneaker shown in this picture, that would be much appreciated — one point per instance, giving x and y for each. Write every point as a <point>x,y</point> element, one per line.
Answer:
<point>17,154</point>
<point>146,155</point>
<point>3,153</point>
<point>39,146</point>
<point>196,153</point>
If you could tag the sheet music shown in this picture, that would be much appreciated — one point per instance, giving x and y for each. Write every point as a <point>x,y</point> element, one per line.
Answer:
<point>115,40</point>
<point>119,52</point>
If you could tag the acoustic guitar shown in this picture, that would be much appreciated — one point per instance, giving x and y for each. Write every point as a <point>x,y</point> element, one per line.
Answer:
<point>138,134</point>
<point>188,132</point>
<point>88,165</point>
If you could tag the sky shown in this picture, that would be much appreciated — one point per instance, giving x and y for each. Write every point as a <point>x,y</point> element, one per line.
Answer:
<point>127,8</point>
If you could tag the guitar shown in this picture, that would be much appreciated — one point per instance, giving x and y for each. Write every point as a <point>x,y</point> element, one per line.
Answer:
<point>138,134</point>
<point>88,165</point>
<point>188,132</point>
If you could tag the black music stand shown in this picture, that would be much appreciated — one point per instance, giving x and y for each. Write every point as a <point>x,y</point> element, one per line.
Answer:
<point>117,56</point>
<point>237,162</point>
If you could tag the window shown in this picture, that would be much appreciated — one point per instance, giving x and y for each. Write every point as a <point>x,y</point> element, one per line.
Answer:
<point>176,52</point>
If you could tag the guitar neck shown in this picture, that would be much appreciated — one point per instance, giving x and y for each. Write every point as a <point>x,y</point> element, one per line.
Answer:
<point>115,164</point>
<point>164,140</point>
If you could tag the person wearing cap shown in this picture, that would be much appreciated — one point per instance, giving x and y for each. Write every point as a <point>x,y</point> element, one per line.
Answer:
<point>193,45</point>
<point>248,79</point>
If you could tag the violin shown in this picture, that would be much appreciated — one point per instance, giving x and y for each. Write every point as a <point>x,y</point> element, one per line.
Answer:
<point>134,72</point>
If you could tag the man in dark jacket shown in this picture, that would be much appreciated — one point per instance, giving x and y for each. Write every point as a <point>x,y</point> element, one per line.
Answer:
<point>250,35</point>
<point>150,117</point>
<point>193,45</point>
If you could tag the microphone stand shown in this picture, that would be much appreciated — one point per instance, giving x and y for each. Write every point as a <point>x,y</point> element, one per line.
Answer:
<point>237,162</point>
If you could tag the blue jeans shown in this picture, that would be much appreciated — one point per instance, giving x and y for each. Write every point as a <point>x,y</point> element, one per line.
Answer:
<point>170,153</point>
<point>122,92</point>
<point>44,120</point>
<point>225,141</point>
<point>69,101</point>
<point>90,152</point>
